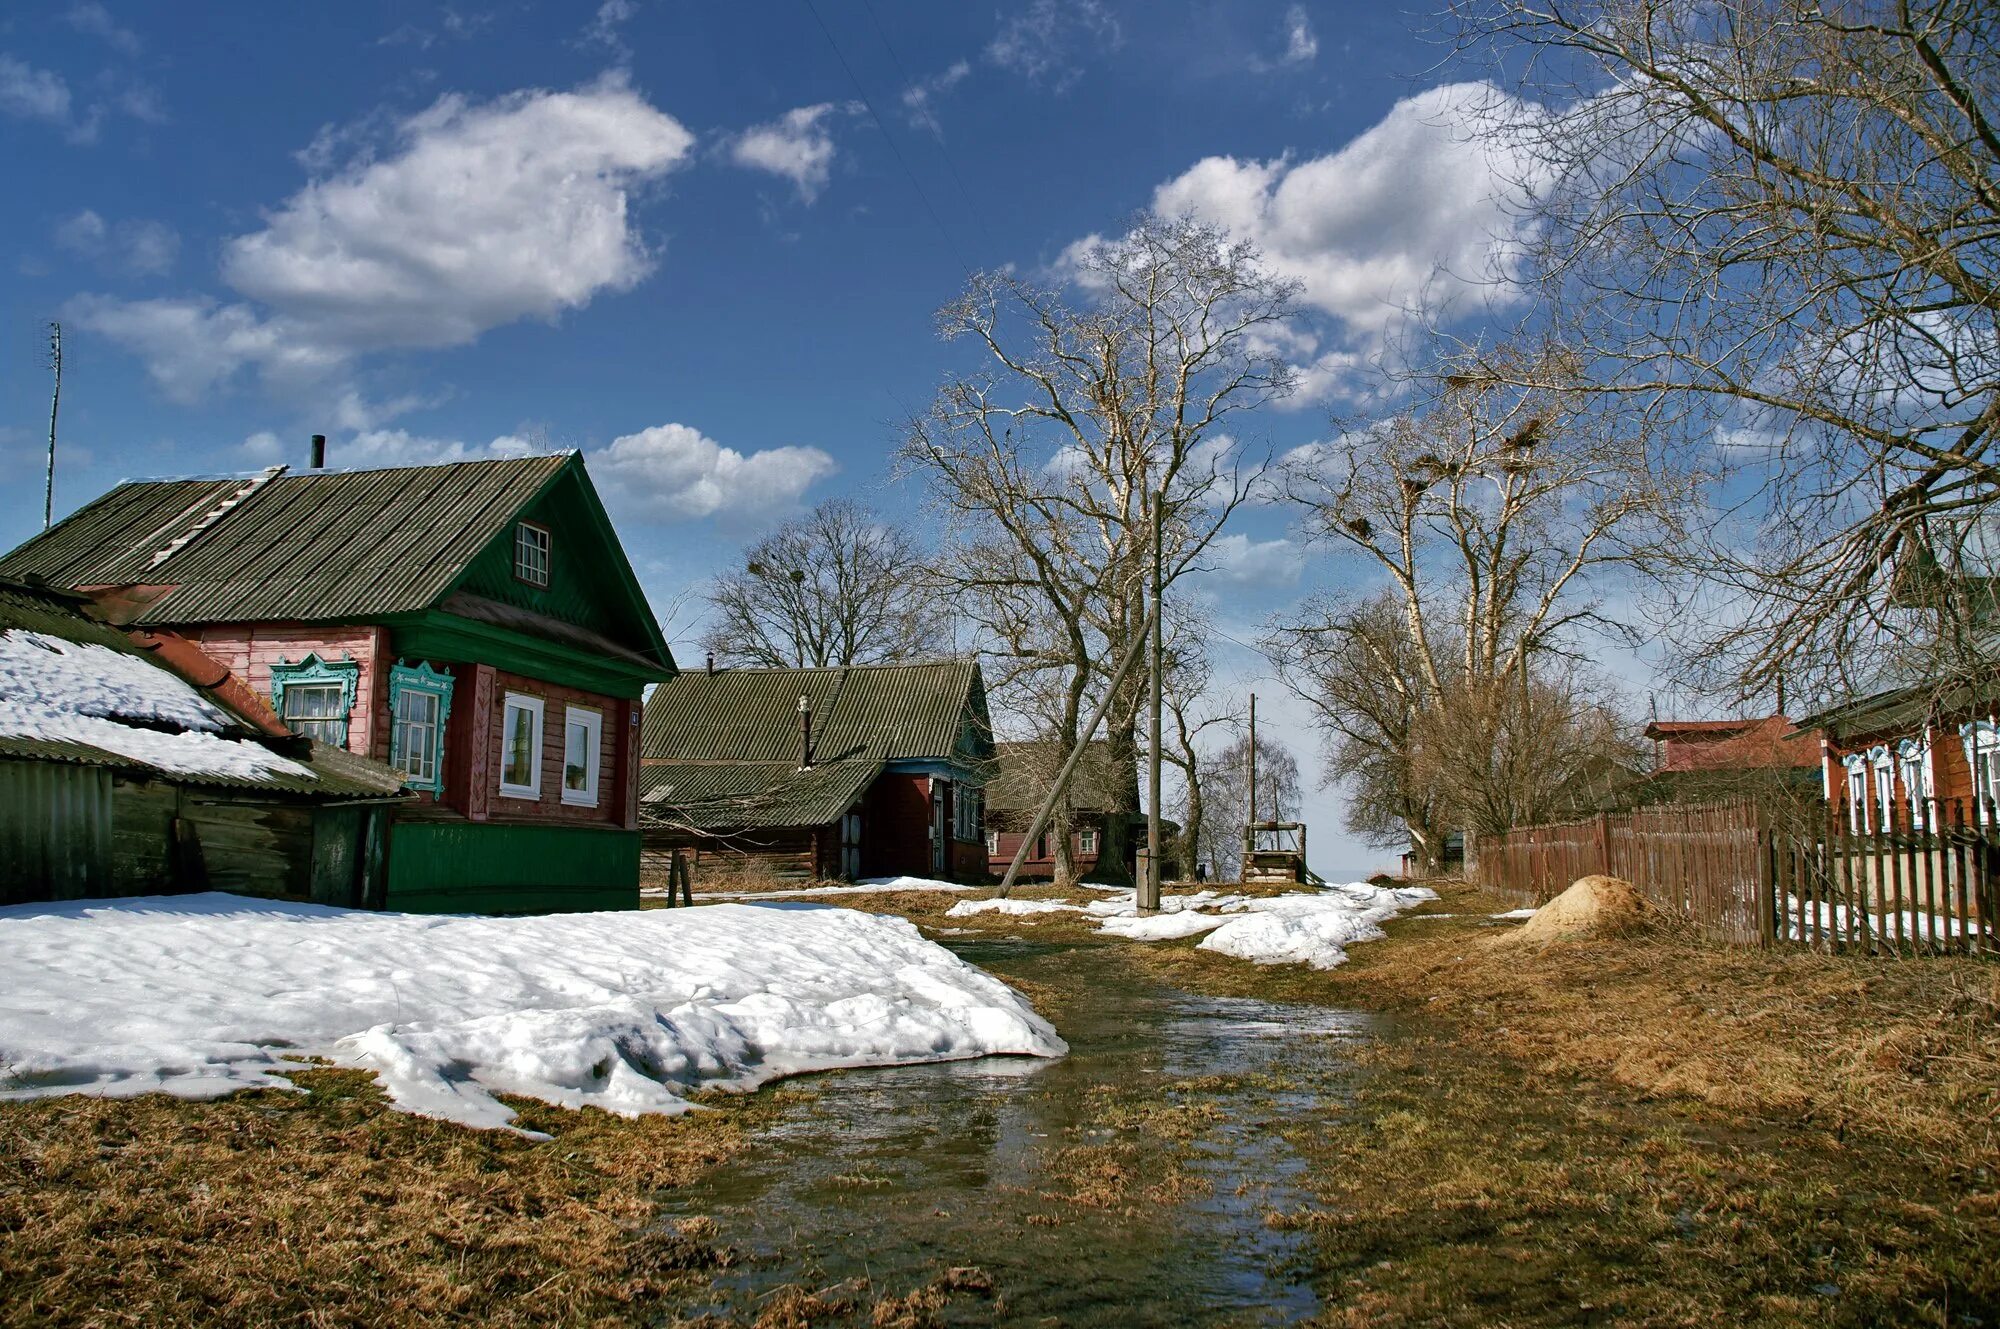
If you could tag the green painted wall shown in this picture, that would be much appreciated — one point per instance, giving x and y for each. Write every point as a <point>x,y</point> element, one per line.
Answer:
<point>581,588</point>
<point>473,868</point>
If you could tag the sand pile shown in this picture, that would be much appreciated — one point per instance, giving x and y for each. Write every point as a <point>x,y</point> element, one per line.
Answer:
<point>1590,905</point>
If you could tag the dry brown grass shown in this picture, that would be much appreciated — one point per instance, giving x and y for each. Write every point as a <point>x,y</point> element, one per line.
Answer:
<point>325,1208</point>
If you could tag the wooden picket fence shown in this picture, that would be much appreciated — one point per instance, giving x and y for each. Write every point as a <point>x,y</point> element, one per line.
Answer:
<point>1928,883</point>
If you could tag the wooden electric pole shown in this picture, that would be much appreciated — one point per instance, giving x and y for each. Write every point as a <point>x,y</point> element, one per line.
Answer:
<point>1250,826</point>
<point>55,404</point>
<point>1148,900</point>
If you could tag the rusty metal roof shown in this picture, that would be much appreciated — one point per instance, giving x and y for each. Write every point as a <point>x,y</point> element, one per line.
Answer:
<point>312,546</point>
<point>727,796</point>
<point>886,712</point>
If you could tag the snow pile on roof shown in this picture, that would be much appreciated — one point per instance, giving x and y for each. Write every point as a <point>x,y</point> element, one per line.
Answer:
<point>64,691</point>
<point>201,995</point>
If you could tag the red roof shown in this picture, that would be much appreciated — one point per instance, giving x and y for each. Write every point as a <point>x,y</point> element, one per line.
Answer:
<point>1772,743</point>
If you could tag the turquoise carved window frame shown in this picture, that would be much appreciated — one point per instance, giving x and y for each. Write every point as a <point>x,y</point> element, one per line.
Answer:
<point>419,678</point>
<point>344,673</point>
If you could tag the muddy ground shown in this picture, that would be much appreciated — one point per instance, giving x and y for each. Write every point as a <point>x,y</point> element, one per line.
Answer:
<point>1638,1130</point>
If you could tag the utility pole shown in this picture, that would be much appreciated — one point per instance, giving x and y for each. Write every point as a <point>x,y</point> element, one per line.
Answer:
<point>1250,829</point>
<point>55,403</point>
<point>1148,900</point>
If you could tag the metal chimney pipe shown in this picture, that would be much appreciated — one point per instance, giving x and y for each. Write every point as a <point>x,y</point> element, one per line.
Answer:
<point>711,662</point>
<point>805,734</point>
<point>319,452</point>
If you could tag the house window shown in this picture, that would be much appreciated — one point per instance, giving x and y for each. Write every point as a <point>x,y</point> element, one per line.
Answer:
<point>315,697</point>
<point>968,810</point>
<point>1982,754</point>
<point>1086,841</point>
<point>1883,811</point>
<point>1913,763</point>
<point>419,704</point>
<point>1857,794</point>
<point>521,747</point>
<point>531,553</point>
<point>583,733</point>
<point>992,843</point>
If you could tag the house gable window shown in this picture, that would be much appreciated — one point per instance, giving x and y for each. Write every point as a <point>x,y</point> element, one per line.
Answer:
<point>1982,754</point>
<point>315,697</point>
<point>521,747</point>
<point>531,553</point>
<point>583,735</point>
<point>419,706</point>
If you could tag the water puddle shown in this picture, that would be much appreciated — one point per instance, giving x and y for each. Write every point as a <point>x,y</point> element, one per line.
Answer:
<point>884,1179</point>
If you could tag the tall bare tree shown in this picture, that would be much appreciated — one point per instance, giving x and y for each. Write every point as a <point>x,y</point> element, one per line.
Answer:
<point>1099,399</point>
<point>1491,511</point>
<point>1784,215</point>
<point>1227,783</point>
<point>838,586</point>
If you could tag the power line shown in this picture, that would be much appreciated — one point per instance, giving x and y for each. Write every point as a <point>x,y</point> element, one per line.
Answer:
<point>903,72</point>
<point>889,138</point>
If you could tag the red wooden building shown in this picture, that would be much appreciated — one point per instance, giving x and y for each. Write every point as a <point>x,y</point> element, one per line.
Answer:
<point>1888,758</point>
<point>856,771</point>
<point>1025,772</point>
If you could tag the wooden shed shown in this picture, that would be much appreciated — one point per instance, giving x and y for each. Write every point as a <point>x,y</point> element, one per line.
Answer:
<point>129,766</point>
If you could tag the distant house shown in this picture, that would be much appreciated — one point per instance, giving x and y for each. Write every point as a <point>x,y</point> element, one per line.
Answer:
<point>854,771</point>
<point>476,626</point>
<point>1026,770</point>
<point>1707,760</point>
<point>130,764</point>
<point>1899,758</point>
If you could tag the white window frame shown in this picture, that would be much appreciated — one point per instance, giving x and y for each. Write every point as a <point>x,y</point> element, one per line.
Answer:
<point>1087,840</point>
<point>1882,775</point>
<point>518,701</point>
<point>1982,757</point>
<point>534,571</point>
<point>1859,793</point>
<point>592,720</point>
<point>1913,763</point>
<point>992,843</point>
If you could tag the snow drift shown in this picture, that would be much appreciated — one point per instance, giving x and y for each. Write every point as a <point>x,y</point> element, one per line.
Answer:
<point>201,995</point>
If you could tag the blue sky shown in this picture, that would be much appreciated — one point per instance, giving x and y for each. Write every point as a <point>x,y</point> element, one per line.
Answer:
<point>704,243</point>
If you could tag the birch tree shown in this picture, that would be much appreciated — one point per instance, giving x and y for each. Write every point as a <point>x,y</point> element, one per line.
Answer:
<point>1096,399</point>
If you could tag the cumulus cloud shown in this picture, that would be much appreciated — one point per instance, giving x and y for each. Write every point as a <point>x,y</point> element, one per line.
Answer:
<point>674,471</point>
<point>1239,561</point>
<point>798,146</point>
<point>920,98</point>
<point>95,20</point>
<point>142,248</point>
<point>1044,42</point>
<point>478,216</point>
<point>1417,208</point>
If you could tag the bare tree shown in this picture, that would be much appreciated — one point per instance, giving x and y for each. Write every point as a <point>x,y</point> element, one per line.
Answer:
<point>838,586</point>
<point>1491,511</point>
<point>1783,216</point>
<point>1099,401</point>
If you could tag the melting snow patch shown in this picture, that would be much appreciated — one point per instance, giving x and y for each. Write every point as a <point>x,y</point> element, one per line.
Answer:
<point>1312,928</point>
<point>1018,908</point>
<point>201,995</point>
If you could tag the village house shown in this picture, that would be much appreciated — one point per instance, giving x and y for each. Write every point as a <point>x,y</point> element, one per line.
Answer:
<point>1897,759</point>
<point>476,626</point>
<point>853,771</point>
<point>131,764</point>
<point>1748,757</point>
<point>1025,772</point>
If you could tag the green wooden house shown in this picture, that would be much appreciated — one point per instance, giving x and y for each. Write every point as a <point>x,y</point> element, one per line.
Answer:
<point>475,625</point>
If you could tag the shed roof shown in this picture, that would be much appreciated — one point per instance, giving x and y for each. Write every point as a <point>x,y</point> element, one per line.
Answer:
<point>724,796</point>
<point>1747,744</point>
<point>74,689</point>
<point>884,712</point>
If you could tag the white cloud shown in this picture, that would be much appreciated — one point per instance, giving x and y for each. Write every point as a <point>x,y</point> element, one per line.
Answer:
<point>1042,42</point>
<point>94,19</point>
<point>1418,208</point>
<point>1239,561</point>
<point>1301,42</point>
<point>143,248</point>
<point>32,94</point>
<point>603,30</point>
<point>920,97</point>
<point>481,215</point>
<point>389,447</point>
<point>798,145</point>
<point>674,471</point>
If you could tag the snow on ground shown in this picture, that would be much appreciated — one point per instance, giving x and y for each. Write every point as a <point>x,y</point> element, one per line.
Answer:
<point>1826,919</point>
<point>1300,927</point>
<point>1514,913</point>
<point>83,692</point>
<point>200,995</point>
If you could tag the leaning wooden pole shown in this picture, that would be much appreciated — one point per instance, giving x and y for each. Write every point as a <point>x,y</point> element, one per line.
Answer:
<point>55,404</point>
<point>1061,782</point>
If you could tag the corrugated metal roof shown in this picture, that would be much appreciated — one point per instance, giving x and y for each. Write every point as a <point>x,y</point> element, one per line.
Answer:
<point>314,546</point>
<point>726,796</point>
<point>889,712</point>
